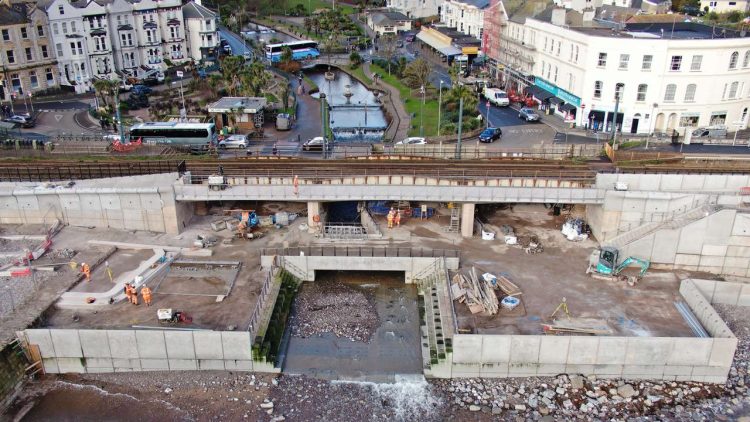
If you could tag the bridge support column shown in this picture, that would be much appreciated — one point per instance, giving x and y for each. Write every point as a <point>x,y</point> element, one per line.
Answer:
<point>467,220</point>
<point>313,212</point>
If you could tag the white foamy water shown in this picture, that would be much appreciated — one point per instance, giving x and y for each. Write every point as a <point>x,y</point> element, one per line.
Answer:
<point>410,396</point>
<point>95,389</point>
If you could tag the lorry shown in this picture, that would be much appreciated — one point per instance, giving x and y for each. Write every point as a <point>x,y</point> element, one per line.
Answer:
<point>497,97</point>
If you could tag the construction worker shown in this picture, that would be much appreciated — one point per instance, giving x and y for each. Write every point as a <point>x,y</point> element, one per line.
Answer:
<point>86,270</point>
<point>397,218</point>
<point>128,293</point>
<point>391,215</point>
<point>134,295</point>
<point>146,293</point>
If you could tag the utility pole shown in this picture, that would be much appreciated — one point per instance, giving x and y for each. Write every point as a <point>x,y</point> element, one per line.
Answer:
<point>440,105</point>
<point>460,124</point>
<point>323,108</point>
<point>31,102</point>
<point>421,112</point>
<point>614,118</point>
<point>117,113</point>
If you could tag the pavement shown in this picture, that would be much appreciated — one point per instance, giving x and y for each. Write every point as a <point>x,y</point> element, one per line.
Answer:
<point>401,130</point>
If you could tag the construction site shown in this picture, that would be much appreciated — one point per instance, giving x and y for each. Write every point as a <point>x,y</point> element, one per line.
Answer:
<point>366,277</point>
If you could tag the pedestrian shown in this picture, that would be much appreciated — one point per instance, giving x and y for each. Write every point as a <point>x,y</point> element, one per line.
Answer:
<point>397,218</point>
<point>86,270</point>
<point>274,150</point>
<point>391,215</point>
<point>146,293</point>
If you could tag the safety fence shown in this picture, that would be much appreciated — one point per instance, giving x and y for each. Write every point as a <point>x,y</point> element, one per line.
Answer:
<point>376,252</point>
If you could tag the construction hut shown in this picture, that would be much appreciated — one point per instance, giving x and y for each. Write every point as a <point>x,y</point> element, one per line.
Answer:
<point>242,114</point>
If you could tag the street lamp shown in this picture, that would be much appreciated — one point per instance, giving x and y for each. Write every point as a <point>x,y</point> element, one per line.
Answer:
<point>653,119</point>
<point>183,111</point>
<point>440,105</point>
<point>421,112</point>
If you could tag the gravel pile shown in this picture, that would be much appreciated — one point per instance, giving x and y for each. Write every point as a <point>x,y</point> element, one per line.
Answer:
<point>330,307</point>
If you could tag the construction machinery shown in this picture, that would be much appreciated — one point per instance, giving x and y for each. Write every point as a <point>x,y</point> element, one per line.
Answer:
<point>248,222</point>
<point>603,264</point>
<point>168,316</point>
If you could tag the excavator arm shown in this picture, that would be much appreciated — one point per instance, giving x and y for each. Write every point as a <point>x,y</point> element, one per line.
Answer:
<point>630,260</point>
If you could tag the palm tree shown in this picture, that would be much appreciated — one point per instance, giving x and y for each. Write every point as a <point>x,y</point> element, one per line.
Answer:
<point>105,88</point>
<point>458,91</point>
<point>254,79</point>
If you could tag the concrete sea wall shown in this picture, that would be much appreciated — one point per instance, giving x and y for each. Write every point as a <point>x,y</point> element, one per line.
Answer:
<point>89,351</point>
<point>664,358</point>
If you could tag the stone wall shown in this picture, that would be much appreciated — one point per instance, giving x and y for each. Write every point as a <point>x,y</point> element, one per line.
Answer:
<point>667,358</point>
<point>89,351</point>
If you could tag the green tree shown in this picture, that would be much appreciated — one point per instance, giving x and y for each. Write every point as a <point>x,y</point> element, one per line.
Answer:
<point>417,73</point>
<point>388,45</point>
<point>308,25</point>
<point>287,55</point>
<point>105,88</point>
<point>355,59</point>
<point>285,95</point>
<point>254,79</point>
<point>458,91</point>
<point>231,68</point>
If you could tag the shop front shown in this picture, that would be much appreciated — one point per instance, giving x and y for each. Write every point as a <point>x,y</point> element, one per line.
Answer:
<point>558,102</point>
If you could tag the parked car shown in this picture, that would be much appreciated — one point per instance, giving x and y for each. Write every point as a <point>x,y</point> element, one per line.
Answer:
<point>710,132</point>
<point>141,90</point>
<point>490,134</point>
<point>497,97</point>
<point>233,141</point>
<point>414,140</point>
<point>228,50</point>
<point>125,86</point>
<point>409,37</point>
<point>528,114</point>
<point>314,144</point>
<point>23,121</point>
<point>200,149</point>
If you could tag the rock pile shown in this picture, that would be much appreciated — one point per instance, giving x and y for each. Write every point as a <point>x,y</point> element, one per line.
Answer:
<point>331,307</point>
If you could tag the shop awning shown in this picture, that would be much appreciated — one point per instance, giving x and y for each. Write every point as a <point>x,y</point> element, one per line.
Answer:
<point>596,115</point>
<point>555,100</point>
<point>539,93</point>
<point>450,51</point>
<point>567,107</point>
<point>433,40</point>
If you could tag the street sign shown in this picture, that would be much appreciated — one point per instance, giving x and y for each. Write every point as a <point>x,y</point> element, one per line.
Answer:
<point>179,73</point>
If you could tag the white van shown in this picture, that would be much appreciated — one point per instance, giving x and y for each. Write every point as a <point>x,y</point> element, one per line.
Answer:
<point>497,97</point>
<point>711,132</point>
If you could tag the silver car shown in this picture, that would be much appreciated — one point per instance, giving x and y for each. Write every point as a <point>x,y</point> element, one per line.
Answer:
<point>528,114</point>
<point>234,141</point>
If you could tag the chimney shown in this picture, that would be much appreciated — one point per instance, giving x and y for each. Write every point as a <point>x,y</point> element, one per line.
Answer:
<point>558,16</point>
<point>588,14</point>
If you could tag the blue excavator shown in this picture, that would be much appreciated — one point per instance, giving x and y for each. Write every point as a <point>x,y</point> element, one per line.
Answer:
<point>603,264</point>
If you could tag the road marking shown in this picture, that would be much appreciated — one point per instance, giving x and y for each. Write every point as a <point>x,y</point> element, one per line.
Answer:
<point>59,117</point>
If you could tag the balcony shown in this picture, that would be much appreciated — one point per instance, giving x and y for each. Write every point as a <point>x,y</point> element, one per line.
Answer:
<point>154,60</point>
<point>177,56</point>
<point>520,43</point>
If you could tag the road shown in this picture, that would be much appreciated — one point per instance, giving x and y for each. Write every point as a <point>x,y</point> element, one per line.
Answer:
<point>235,41</point>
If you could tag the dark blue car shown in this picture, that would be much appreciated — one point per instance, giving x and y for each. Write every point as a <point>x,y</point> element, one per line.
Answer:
<point>141,90</point>
<point>490,134</point>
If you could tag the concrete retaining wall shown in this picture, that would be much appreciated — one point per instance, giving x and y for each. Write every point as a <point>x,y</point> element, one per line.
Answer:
<point>304,267</point>
<point>666,358</point>
<point>706,183</point>
<point>121,203</point>
<point>724,292</point>
<point>89,351</point>
<point>719,243</point>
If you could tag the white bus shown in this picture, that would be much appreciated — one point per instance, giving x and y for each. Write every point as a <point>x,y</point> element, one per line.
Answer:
<point>175,133</point>
<point>301,50</point>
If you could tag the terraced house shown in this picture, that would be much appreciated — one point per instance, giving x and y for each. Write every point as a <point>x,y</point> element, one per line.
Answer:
<point>27,59</point>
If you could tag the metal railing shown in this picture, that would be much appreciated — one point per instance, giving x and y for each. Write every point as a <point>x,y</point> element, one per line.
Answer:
<point>362,251</point>
<point>252,326</point>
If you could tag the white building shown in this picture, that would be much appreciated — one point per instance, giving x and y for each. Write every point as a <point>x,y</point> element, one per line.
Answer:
<point>467,16</point>
<point>722,6</point>
<point>416,8</point>
<point>201,27</point>
<point>99,39</point>
<point>668,76</point>
<point>388,22</point>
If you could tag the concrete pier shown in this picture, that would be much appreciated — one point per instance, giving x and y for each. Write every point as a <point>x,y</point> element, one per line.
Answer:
<point>467,220</point>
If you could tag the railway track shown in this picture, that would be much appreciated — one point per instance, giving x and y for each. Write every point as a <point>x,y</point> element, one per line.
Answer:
<point>56,170</point>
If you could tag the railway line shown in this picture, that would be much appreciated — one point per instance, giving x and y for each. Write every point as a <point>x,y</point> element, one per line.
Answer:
<point>58,170</point>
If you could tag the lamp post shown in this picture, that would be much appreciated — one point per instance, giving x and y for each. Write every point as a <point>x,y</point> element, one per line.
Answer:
<point>440,106</point>
<point>421,112</point>
<point>653,119</point>
<point>323,122</point>
<point>183,111</point>
<point>737,125</point>
<point>117,113</point>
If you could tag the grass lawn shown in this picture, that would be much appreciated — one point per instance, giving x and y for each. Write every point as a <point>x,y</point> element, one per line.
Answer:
<point>320,4</point>
<point>359,73</point>
<point>413,104</point>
